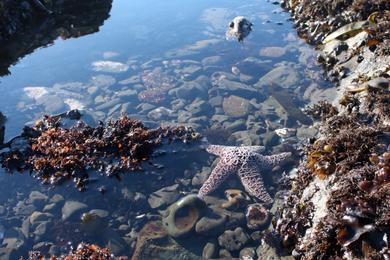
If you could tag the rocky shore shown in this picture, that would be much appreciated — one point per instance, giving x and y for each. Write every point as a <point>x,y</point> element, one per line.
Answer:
<point>338,200</point>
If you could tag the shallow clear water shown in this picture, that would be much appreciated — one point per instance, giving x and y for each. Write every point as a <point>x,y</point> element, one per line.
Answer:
<point>170,46</point>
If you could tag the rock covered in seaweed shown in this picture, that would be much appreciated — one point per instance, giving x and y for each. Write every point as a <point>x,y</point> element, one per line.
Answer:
<point>338,204</point>
<point>56,153</point>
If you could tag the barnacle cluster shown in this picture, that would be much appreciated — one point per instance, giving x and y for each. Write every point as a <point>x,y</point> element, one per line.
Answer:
<point>57,153</point>
<point>83,251</point>
<point>348,171</point>
<point>317,18</point>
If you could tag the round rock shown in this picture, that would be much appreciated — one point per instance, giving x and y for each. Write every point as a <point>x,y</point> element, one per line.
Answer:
<point>233,240</point>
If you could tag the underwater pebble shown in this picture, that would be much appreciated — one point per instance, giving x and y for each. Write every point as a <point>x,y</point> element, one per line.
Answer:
<point>209,251</point>
<point>164,196</point>
<point>236,106</point>
<point>71,209</point>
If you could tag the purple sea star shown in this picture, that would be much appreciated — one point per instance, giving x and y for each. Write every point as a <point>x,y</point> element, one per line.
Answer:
<point>249,164</point>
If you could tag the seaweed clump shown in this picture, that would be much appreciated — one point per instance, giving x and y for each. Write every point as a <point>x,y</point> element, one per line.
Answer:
<point>338,204</point>
<point>83,251</point>
<point>54,153</point>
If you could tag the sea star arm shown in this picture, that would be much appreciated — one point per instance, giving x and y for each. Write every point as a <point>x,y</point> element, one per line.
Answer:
<point>217,176</point>
<point>276,159</point>
<point>251,179</point>
<point>216,149</point>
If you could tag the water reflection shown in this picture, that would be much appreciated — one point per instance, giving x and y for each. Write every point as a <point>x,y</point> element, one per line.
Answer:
<point>71,19</point>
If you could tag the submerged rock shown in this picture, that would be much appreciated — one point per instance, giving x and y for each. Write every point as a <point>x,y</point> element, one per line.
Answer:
<point>180,218</point>
<point>236,106</point>
<point>71,209</point>
<point>233,240</point>
<point>164,197</point>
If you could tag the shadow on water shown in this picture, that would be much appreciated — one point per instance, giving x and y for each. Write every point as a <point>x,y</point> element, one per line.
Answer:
<point>69,19</point>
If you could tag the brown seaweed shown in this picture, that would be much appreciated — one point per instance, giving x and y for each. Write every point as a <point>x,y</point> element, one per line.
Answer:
<point>54,153</point>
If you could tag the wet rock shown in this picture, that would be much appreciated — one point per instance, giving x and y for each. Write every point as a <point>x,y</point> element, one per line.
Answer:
<point>209,251</point>
<point>304,133</point>
<point>225,254</point>
<point>37,198</point>
<point>217,219</point>
<point>149,245</point>
<point>199,107</point>
<point>201,177</point>
<point>22,209</point>
<point>248,253</point>
<point>103,81</point>
<point>379,82</point>
<point>72,210</point>
<point>127,93</point>
<point>212,60</point>
<point>57,198</point>
<point>109,104</point>
<point>191,71</point>
<point>124,228</point>
<point>316,94</point>
<point>164,197</point>
<point>12,248</point>
<point>38,217</point>
<point>270,139</point>
<point>183,116</point>
<point>286,74</point>
<point>219,118</point>
<point>178,104</point>
<point>286,132</point>
<point>94,221</point>
<point>196,122</point>
<point>273,52</point>
<point>131,80</point>
<point>237,88</point>
<point>43,247</point>
<point>236,106</point>
<point>265,251</point>
<point>52,207</point>
<point>41,230</point>
<point>233,240</point>
<point>116,244</point>
<point>247,138</point>
<point>216,101</point>
<point>254,66</point>
<point>54,250</point>
<point>180,218</point>
<point>189,90</point>
<point>161,113</point>
<point>25,228</point>
<point>237,125</point>
<point>145,108</point>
